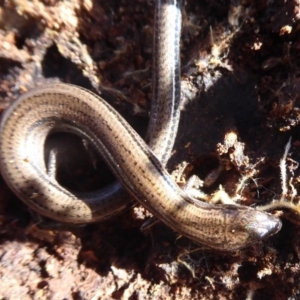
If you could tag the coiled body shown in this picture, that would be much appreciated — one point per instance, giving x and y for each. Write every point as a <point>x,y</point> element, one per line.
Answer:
<point>60,107</point>
<point>29,120</point>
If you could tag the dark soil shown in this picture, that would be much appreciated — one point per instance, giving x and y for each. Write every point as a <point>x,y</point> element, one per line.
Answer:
<point>240,74</point>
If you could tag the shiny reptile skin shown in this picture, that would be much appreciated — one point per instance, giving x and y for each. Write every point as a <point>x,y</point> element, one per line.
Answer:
<point>61,107</point>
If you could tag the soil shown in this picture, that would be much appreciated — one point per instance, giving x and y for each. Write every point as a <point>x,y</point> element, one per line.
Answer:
<point>240,105</point>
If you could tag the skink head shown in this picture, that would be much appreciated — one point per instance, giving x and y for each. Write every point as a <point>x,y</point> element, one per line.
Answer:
<point>247,226</point>
<point>240,227</point>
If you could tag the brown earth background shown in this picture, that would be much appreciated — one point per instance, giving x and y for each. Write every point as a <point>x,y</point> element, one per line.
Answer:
<point>240,64</point>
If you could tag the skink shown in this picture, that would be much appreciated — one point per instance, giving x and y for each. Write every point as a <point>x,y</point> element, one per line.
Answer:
<point>60,107</point>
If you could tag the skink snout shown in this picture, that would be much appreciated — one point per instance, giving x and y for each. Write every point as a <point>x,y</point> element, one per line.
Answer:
<point>266,225</point>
